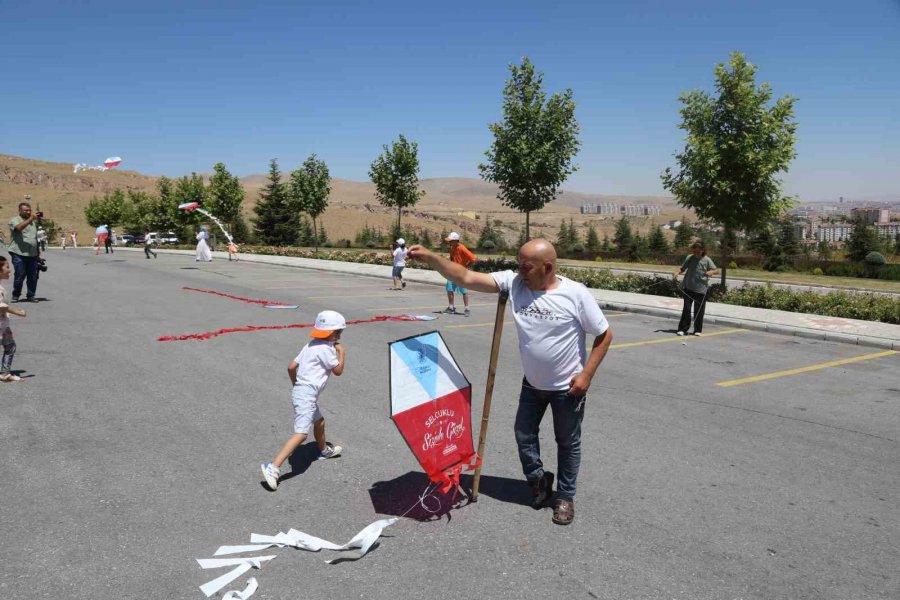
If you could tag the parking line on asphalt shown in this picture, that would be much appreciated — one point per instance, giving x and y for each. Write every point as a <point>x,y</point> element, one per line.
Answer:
<point>675,339</point>
<point>806,369</point>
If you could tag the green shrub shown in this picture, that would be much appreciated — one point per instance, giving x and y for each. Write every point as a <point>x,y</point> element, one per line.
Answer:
<point>578,248</point>
<point>598,259</point>
<point>370,244</point>
<point>732,265</point>
<point>875,259</point>
<point>328,244</point>
<point>488,245</point>
<point>817,271</point>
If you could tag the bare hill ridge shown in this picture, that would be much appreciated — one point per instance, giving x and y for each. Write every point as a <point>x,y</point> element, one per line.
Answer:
<point>449,203</point>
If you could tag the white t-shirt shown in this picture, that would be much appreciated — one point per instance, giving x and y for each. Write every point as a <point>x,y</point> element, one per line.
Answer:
<point>400,257</point>
<point>551,326</point>
<point>317,359</point>
<point>4,318</point>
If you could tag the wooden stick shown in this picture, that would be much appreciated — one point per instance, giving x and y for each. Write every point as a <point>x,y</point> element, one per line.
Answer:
<point>489,388</point>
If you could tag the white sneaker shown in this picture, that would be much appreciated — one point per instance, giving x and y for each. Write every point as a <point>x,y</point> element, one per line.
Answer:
<point>680,334</point>
<point>271,473</point>
<point>697,333</point>
<point>450,310</point>
<point>330,451</point>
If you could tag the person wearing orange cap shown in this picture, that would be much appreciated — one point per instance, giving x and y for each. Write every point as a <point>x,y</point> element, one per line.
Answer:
<point>309,373</point>
<point>462,256</point>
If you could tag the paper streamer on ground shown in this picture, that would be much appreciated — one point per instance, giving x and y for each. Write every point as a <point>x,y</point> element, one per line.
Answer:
<point>248,591</point>
<point>242,565</point>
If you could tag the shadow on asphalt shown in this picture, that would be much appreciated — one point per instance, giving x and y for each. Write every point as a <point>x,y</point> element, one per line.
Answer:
<point>300,460</point>
<point>400,496</point>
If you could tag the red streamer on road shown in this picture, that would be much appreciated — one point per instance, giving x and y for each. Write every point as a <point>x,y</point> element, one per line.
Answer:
<point>211,334</point>
<point>247,300</point>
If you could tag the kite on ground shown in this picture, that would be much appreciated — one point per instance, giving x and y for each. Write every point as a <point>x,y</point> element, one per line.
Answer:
<point>431,404</point>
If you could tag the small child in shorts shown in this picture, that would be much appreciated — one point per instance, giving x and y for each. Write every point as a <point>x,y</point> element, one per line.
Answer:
<point>6,334</point>
<point>232,250</point>
<point>309,373</point>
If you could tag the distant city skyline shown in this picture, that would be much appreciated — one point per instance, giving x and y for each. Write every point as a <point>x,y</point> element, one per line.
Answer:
<point>175,87</point>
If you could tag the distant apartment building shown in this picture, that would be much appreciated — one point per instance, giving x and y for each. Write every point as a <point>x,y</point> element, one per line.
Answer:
<point>834,233</point>
<point>888,230</point>
<point>611,208</point>
<point>871,216</point>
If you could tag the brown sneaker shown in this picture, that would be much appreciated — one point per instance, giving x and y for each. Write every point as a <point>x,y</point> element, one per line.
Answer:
<point>542,491</point>
<point>563,511</point>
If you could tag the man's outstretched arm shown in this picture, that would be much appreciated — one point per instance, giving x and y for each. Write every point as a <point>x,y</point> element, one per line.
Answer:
<point>458,274</point>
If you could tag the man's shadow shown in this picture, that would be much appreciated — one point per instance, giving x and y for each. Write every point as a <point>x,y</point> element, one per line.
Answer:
<point>403,495</point>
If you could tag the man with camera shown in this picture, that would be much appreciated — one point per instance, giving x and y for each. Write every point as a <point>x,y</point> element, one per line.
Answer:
<point>24,251</point>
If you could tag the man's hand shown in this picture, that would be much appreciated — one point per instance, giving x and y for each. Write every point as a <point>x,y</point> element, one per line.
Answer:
<point>421,253</point>
<point>579,385</point>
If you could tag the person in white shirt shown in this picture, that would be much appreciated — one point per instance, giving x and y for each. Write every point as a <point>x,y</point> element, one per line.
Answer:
<point>552,316</point>
<point>309,373</point>
<point>399,253</point>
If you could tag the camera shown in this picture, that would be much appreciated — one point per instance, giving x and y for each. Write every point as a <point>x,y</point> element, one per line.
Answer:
<point>42,265</point>
<point>39,214</point>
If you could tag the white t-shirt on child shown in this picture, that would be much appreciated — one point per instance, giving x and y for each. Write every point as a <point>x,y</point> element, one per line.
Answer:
<point>551,326</point>
<point>4,303</point>
<point>400,257</point>
<point>317,359</point>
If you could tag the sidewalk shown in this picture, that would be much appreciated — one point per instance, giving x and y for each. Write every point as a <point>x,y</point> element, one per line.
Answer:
<point>835,329</point>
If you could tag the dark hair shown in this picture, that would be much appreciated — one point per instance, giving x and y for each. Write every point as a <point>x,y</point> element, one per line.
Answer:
<point>3,261</point>
<point>699,246</point>
<point>21,204</point>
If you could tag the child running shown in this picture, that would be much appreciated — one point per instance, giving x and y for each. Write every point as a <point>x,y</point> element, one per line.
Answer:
<point>399,254</point>
<point>309,375</point>
<point>6,334</point>
<point>232,250</point>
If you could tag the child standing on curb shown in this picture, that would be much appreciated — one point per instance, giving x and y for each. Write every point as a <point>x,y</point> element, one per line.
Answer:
<point>309,373</point>
<point>6,334</point>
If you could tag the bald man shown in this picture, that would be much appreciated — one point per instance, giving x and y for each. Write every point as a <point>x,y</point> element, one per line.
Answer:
<point>552,315</point>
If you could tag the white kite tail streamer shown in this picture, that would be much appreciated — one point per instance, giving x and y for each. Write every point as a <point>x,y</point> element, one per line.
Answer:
<point>241,566</point>
<point>216,221</point>
<point>252,584</point>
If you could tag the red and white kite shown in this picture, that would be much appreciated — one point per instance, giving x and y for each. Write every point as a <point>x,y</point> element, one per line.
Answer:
<point>112,161</point>
<point>431,404</point>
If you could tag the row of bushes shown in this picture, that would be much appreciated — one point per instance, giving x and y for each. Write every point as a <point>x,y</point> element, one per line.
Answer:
<point>869,307</point>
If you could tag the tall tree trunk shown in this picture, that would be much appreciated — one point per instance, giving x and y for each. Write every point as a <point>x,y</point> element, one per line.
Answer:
<point>527,226</point>
<point>399,212</point>
<point>315,235</point>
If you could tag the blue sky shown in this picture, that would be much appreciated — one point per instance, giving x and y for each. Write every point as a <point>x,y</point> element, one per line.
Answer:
<point>175,87</point>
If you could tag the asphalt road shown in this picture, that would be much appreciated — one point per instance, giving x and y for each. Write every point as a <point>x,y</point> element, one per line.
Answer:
<point>124,458</point>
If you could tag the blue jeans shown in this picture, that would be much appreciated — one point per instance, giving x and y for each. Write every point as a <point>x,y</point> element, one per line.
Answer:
<point>568,413</point>
<point>25,266</point>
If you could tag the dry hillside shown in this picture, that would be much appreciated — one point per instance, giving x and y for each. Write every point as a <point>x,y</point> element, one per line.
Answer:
<point>450,202</point>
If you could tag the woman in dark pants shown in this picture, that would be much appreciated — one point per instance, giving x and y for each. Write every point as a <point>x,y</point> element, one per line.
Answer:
<point>697,269</point>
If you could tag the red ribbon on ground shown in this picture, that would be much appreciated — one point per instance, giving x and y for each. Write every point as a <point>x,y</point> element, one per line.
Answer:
<point>247,300</point>
<point>211,334</point>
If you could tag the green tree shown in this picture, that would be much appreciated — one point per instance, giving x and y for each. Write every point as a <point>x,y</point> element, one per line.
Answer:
<point>897,244</point>
<point>763,242</point>
<point>534,145</point>
<point>426,239</point>
<point>224,196</point>
<point>658,241</point>
<point>605,246</point>
<point>309,189</point>
<point>306,235</point>
<point>396,176</point>
<point>623,237</point>
<point>824,250</point>
<point>862,240</point>
<point>684,234</point>
<point>275,223</point>
<point>187,189</point>
<point>736,144</point>
<point>787,237</point>
<point>593,241</point>
<point>490,234</point>
<point>110,210</point>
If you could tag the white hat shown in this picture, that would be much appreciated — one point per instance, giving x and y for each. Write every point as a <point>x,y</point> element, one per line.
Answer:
<point>401,241</point>
<point>327,322</point>
<point>453,237</point>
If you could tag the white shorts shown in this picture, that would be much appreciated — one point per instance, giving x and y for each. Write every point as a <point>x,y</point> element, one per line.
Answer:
<point>306,411</point>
